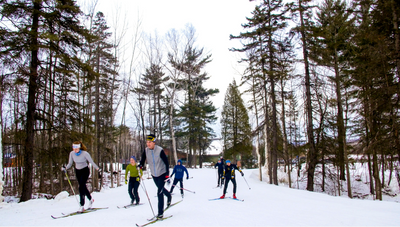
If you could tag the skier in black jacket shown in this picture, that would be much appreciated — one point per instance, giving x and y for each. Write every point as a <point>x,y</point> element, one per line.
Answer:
<point>229,174</point>
<point>220,166</point>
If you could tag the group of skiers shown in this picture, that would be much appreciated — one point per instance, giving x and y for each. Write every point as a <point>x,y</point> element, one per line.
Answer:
<point>159,167</point>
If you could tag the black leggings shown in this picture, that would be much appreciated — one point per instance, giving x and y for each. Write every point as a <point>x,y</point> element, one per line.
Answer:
<point>233,182</point>
<point>161,191</point>
<point>133,189</point>
<point>82,176</point>
<point>176,180</point>
<point>220,180</point>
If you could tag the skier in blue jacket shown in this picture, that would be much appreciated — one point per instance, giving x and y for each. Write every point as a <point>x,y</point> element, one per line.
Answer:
<point>179,170</point>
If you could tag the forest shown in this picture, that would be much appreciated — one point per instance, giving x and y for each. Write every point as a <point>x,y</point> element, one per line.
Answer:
<point>321,86</point>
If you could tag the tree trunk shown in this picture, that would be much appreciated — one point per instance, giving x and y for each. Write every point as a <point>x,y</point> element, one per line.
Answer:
<point>258,134</point>
<point>371,178</point>
<point>312,153</point>
<point>283,119</point>
<point>396,37</point>
<point>397,170</point>
<point>323,164</point>
<point>1,140</point>
<point>171,125</point>
<point>31,110</point>
<point>97,121</point>
<point>391,169</point>
<point>375,168</point>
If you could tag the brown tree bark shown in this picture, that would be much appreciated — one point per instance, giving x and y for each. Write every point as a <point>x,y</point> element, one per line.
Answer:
<point>312,153</point>
<point>31,110</point>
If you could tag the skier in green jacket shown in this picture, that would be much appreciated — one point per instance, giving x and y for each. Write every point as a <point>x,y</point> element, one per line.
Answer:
<point>135,173</point>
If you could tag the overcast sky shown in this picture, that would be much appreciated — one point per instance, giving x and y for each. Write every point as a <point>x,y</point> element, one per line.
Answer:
<point>214,21</point>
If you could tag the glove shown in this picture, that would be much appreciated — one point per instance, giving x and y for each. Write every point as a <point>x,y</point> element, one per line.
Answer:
<point>126,181</point>
<point>223,178</point>
<point>63,169</point>
<point>242,173</point>
<point>187,178</point>
<point>167,179</point>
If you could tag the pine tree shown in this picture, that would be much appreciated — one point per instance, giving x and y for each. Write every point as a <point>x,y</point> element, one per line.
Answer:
<point>151,86</point>
<point>333,32</point>
<point>27,38</point>
<point>191,112</point>
<point>375,83</point>
<point>235,126</point>
<point>268,21</point>
<point>102,63</point>
<point>303,10</point>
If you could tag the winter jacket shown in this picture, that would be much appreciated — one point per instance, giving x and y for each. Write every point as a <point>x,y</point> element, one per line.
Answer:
<point>81,160</point>
<point>229,171</point>
<point>157,160</point>
<point>133,171</point>
<point>220,166</point>
<point>179,170</point>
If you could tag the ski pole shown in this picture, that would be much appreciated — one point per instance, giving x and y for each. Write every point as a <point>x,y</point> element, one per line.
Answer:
<point>145,190</point>
<point>246,182</point>
<point>71,186</point>
<point>184,189</point>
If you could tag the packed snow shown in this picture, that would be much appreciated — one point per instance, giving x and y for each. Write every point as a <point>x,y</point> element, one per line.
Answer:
<point>264,205</point>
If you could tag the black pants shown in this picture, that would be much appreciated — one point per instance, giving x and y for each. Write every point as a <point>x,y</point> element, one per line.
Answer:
<point>220,180</point>
<point>82,176</point>
<point>133,189</point>
<point>233,182</point>
<point>161,191</point>
<point>176,180</point>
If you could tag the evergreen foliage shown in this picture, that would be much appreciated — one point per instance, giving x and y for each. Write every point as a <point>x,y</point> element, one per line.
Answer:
<point>235,126</point>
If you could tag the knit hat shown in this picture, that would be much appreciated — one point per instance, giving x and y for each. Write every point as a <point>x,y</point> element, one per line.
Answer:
<point>134,158</point>
<point>151,137</point>
<point>180,161</point>
<point>228,161</point>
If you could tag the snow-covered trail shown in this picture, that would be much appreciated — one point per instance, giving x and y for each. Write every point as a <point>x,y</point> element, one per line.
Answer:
<point>264,205</point>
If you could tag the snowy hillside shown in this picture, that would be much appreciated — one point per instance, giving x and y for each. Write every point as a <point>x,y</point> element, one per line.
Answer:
<point>264,205</point>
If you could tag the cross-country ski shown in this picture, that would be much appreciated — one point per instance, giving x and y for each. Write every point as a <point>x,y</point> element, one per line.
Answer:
<point>241,200</point>
<point>129,206</point>
<point>78,212</point>
<point>154,221</point>
<point>172,204</point>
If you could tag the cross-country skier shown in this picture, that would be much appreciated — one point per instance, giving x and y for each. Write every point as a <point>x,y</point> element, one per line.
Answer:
<point>134,180</point>
<point>179,171</point>
<point>220,166</point>
<point>81,157</point>
<point>229,174</point>
<point>222,160</point>
<point>159,167</point>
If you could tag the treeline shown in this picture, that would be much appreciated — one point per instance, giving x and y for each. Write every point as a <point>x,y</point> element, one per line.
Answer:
<point>65,77</point>
<point>322,74</point>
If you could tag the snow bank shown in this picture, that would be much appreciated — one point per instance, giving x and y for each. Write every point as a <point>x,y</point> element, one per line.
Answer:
<point>61,195</point>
